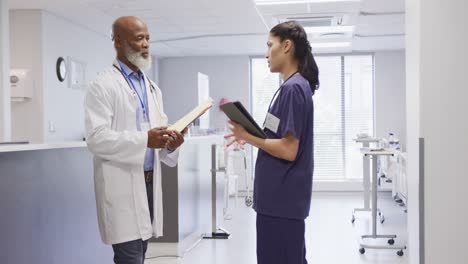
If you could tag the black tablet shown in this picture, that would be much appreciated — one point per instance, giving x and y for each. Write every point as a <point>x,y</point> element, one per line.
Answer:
<point>237,113</point>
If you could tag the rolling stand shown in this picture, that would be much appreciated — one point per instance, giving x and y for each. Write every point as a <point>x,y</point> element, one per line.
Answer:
<point>216,232</point>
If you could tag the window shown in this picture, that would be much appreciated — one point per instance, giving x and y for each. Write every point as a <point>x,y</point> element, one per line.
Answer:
<point>343,108</point>
<point>264,86</point>
<point>358,109</point>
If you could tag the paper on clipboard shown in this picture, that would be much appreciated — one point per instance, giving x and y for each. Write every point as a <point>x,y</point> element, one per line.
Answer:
<point>185,121</point>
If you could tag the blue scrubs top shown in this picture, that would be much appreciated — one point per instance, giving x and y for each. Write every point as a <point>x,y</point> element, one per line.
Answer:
<point>283,188</point>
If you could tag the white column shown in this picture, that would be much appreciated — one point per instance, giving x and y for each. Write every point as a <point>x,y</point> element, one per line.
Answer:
<point>413,44</point>
<point>5,107</point>
<point>437,107</point>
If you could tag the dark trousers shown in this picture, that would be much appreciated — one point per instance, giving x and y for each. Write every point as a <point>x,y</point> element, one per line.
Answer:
<point>133,252</point>
<point>280,240</point>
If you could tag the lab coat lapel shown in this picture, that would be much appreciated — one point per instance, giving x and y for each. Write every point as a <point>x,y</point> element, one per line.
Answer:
<point>152,104</point>
<point>122,81</point>
<point>155,121</point>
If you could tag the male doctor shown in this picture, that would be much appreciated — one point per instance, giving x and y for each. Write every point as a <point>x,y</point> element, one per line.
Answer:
<point>127,133</point>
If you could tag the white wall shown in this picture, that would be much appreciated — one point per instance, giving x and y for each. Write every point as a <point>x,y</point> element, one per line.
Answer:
<point>153,74</point>
<point>26,52</point>
<point>440,55</point>
<point>390,94</point>
<point>38,39</point>
<point>229,77</point>
<point>443,97</point>
<point>64,106</point>
<point>5,110</point>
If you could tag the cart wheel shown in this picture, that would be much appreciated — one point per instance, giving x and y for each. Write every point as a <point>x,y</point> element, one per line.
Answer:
<point>248,201</point>
<point>382,220</point>
<point>391,241</point>
<point>362,251</point>
<point>400,253</point>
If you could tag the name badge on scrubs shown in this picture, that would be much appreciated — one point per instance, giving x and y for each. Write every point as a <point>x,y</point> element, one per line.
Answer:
<point>272,123</point>
<point>145,126</point>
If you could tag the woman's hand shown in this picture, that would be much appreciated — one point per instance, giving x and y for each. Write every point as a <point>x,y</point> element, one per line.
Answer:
<point>283,148</point>
<point>238,134</point>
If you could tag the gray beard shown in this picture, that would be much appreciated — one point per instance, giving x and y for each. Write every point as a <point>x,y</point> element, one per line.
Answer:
<point>137,59</point>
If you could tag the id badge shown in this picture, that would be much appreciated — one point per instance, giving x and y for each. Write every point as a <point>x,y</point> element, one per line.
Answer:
<point>272,123</point>
<point>145,126</point>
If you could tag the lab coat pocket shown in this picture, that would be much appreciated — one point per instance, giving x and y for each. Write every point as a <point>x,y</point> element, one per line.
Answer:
<point>117,188</point>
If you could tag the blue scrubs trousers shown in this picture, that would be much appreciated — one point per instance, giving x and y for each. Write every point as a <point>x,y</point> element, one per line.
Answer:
<point>280,240</point>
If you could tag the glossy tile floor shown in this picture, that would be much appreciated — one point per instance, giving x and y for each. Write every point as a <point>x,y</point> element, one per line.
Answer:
<point>330,236</point>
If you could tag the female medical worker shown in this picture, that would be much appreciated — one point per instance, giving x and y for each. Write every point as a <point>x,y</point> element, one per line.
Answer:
<point>285,162</point>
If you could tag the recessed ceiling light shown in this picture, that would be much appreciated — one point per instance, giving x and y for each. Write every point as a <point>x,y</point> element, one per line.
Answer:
<point>322,45</point>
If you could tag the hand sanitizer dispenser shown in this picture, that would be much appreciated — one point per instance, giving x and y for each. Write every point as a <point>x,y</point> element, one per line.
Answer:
<point>21,85</point>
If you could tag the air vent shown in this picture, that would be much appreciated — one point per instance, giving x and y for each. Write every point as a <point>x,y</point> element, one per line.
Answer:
<point>337,34</point>
<point>316,21</point>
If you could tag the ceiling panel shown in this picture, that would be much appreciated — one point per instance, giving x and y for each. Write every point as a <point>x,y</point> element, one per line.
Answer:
<point>210,27</point>
<point>163,50</point>
<point>379,43</point>
<point>396,29</point>
<point>382,20</point>
<point>223,45</point>
<point>383,5</point>
<point>372,31</point>
<point>315,8</point>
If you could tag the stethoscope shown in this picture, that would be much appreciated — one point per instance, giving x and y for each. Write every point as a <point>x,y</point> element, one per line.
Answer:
<point>132,88</point>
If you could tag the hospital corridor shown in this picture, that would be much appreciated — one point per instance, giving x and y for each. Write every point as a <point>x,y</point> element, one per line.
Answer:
<point>233,132</point>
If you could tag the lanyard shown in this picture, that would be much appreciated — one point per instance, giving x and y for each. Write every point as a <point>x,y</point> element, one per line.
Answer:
<point>274,97</point>
<point>152,89</point>
<point>277,91</point>
<point>130,83</point>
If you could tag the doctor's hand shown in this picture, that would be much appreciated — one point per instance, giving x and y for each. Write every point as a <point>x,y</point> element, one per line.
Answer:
<point>159,137</point>
<point>238,134</point>
<point>177,140</point>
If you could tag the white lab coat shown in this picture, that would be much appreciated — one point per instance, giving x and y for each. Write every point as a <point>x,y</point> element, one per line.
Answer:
<point>119,151</point>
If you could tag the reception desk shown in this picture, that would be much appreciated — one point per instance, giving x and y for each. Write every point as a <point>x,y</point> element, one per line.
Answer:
<point>48,210</point>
